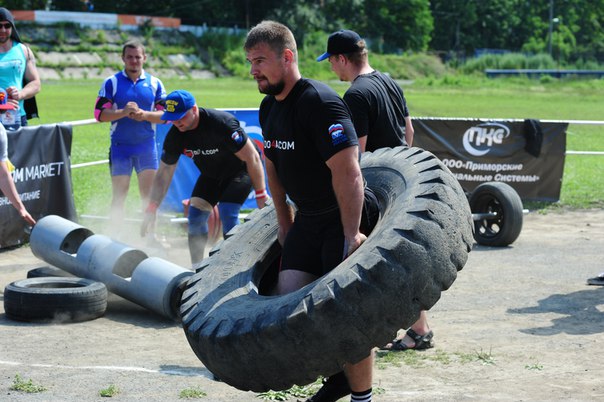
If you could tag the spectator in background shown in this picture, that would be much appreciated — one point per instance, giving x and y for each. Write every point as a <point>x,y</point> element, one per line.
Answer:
<point>379,109</point>
<point>18,72</point>
<point>381,119</point>
<point>229,161</point>
<point>7,185</point>
<point>133,101</point>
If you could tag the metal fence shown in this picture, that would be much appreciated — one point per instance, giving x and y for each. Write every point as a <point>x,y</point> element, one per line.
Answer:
<point>568,152</point>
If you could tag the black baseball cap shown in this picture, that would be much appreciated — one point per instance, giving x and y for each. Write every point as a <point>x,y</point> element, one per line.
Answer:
<point>341,42</point>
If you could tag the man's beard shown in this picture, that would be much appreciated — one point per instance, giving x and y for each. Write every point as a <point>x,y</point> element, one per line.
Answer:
<point>273,89</point>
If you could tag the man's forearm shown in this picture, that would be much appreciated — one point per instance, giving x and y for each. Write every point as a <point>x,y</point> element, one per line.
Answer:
<point>30,90</point>
<point>347,182</point>
<point>161,182</point>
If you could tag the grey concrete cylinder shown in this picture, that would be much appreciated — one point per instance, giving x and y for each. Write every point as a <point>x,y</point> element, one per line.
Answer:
<point>56,240</point>
<point>128,272</point>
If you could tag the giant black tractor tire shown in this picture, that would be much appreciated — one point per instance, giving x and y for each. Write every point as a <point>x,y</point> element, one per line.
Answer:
<point>503,201</point>
<point>55,299</point>
<point>254,341</point>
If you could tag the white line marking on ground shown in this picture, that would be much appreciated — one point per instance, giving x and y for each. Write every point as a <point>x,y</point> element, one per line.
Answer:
<point>188,372</point>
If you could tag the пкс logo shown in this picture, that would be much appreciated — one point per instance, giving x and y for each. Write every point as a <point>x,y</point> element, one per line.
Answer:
<point>479,139</point>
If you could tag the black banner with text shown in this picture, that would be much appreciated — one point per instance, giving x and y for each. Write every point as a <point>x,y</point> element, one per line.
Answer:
<point>39,157</point>
<point>528,155</point>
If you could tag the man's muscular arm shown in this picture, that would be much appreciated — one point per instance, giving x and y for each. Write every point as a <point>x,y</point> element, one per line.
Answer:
<point>161,182</point>
<point>253,163</point>
<point>347,183</point>
<point>285,213</point>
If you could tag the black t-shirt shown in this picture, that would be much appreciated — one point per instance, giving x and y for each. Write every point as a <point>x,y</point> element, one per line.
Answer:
<point>300,134</point>
<point>212,145</point>
<point>378,110</point>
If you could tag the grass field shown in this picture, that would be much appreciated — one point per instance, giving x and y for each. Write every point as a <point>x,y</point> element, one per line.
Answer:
<point>583,182</point>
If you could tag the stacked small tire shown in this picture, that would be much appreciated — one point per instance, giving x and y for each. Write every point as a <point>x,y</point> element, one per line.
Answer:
<point>54,296</point>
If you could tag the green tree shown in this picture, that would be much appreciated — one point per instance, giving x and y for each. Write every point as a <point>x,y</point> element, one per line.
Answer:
<point>565,23</point>
<point>453,20</point>
<point>217,13</point>
<point>458,26</point>
<point>398,24</point>
<point>148,7</point>
<point>495,25</point>
<point>23,4</point>
<point>521,25</point>
<point>465,25</point>
<point>585,21</point>
<point>300,17</point>
<point>343,14</point>
<point>66,5</point>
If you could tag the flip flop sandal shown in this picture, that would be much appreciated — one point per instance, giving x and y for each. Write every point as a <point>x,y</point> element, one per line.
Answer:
<point>422,342</point>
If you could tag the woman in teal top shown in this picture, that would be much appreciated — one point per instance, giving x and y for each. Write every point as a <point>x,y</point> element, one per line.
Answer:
<point>17,62</point>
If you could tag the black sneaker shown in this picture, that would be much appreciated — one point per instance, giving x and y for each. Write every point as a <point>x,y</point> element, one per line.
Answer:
<point>334,388</point>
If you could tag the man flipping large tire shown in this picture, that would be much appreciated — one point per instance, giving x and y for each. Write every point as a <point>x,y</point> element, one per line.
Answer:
<point>258,342</point>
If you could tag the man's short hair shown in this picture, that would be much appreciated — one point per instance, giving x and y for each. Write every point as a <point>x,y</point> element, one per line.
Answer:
<point>276,35</point>
<point>133,44</point>
<point>360,56</point>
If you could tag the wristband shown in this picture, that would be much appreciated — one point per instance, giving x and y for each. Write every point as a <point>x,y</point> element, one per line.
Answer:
<point>152,207</point>
<point>261,194</point>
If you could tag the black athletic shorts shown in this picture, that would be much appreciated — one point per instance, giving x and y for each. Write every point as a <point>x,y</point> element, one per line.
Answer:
<point>234,189</point>
<point>315,244</point>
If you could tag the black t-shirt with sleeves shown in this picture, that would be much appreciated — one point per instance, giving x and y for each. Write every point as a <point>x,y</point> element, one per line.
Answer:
<point>212,145</point>
<point>378,109</point>
<point>301,133</point>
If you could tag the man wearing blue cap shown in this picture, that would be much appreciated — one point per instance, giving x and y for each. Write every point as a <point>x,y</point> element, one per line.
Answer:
<point>228,160</point>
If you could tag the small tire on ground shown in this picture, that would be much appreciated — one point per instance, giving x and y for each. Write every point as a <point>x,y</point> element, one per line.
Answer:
<point>55,299</point>
<point>48,271</point>
<point>499,198</point>
<point>254,341</point>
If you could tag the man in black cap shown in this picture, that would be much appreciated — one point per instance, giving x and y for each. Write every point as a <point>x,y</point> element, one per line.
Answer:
<point>379,109</point>
<point>18,72</point>
<point>381,119</point>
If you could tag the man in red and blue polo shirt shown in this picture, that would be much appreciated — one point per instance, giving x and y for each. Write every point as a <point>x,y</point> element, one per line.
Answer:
<point>133,101</point>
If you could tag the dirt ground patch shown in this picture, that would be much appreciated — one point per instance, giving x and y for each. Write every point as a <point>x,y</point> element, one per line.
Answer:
<point>518,324</point>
